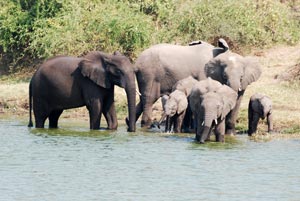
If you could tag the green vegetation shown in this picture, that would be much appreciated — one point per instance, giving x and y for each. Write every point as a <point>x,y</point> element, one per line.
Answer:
<point>37,29</point>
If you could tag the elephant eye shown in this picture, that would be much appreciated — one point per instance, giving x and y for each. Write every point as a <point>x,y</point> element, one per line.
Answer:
<point>118,72</point>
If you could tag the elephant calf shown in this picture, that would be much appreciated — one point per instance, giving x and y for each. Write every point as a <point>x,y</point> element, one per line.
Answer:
<point>175,105</point>
<point>260,106</point>
<point>210,103</point>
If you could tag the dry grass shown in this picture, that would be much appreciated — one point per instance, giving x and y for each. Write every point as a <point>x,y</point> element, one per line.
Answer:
<point>275,61</point>
<point>285,95</point>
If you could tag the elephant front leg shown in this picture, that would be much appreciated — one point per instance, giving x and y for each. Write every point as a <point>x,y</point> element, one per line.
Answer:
<point>220,131</point>
<point>148,99</point>
<point>232,116</point>
<point>178,122</point>
<point>253,124</point>
<point>110,115</point>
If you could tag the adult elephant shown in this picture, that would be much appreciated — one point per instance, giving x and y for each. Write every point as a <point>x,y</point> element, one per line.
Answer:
<point>65,82</point>
<point>237,72</point>
<point>161,66</point>
<point>210,102</point>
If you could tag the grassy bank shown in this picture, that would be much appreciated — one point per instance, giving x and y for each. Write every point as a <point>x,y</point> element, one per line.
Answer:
<point>275,61</point>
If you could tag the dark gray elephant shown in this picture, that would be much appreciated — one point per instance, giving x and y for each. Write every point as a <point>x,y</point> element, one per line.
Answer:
<point>260,106</point>
<point>210,103</point>
<point>161,66</point>
<point>237,72</point>
<point>65,82</point>
<point>176,104</point>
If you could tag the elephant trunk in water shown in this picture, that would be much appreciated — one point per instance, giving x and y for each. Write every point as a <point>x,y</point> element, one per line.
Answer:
<point>207,124</point>
<point>130,91</point>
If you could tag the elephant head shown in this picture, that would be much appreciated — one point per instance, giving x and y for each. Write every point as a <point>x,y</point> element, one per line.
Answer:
<point>210,107</point>
<point>108,70</point>
<point>233,70</point>
<point>175,103</point>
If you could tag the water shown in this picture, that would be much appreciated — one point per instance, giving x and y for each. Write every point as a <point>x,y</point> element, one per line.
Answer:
<point>81,165</point>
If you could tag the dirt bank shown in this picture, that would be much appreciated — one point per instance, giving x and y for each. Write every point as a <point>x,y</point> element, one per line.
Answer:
<point>274,61</point>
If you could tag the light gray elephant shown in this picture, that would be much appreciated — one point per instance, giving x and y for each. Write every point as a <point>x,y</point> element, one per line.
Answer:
<point>237,72</point>
<point>161,66</point>
<point>65,82</point>
<point>210,102</point>
<point>176,104</point>
<point>260,106</point>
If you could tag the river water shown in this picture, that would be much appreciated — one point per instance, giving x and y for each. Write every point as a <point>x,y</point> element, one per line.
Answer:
<point>76,164</point>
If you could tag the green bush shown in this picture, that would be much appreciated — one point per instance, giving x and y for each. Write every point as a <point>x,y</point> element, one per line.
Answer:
<point>32,29</point>
<point>247,22</point>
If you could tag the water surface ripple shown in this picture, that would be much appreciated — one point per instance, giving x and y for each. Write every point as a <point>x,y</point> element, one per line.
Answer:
<point>81,165</point>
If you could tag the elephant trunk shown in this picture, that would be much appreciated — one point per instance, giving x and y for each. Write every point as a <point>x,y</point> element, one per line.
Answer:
<point>130,89</point>
<point>234,84</point>
<point>208,121</point>
<point>205,134</point>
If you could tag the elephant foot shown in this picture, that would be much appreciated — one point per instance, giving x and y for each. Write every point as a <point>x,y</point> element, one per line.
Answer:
<point>146,123</point>
<point>230,132</point>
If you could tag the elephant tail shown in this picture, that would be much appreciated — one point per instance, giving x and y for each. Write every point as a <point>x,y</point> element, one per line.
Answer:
<point>30,124</point>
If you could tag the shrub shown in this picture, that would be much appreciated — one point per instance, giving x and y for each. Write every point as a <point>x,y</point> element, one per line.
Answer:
<point>31,29</point>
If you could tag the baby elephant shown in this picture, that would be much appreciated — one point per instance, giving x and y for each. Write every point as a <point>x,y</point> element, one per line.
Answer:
<point>175,105</point>
<point>210,103</point>
<point>260,106</point>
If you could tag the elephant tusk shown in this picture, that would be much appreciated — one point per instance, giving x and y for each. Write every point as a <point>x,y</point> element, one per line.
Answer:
<point>216,121</point>
<point>240,89</point>
<point>138,93</point>
<point>202,123</point>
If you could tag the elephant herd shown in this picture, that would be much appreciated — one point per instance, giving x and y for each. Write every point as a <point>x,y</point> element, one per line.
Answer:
<point>201,86</point>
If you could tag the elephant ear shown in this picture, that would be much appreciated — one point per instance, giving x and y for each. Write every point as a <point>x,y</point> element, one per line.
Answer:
<point>229,97</point>
<point>94,66</point>
<point>223,44</point>
<point>214,68</point>
<point>252,71</point>
<point>182,105</point>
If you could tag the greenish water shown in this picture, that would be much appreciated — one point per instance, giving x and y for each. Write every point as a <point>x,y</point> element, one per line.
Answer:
<point>81,165</point>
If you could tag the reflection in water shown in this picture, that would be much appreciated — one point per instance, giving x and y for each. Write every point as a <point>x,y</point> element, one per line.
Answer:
<point>78,164</point>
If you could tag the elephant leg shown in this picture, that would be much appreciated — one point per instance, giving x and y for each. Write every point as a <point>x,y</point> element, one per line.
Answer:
<point>254,123</point>
<point>232,116</point>
<point>139,110</point>
<point>109,113</point>
<point>169,124</point>
<point>149,98</point>
<point>179,122</point>
<point>188,123</point>
<point>250,119</point>
<point>53,118</point>
<point>41,113</point>
<point>220,131</point>
<point>270,122</point>
<point>40,121</point>
<point>95,110</point>
<point>111,117</point>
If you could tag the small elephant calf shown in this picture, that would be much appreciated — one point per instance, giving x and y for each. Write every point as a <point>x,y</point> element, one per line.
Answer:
<point>175,105</point>
<point>260,106</point>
